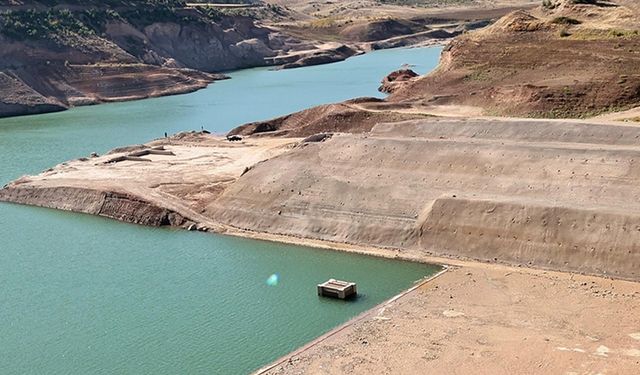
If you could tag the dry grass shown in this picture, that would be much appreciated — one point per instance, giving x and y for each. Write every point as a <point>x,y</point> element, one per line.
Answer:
<point>597,34</point>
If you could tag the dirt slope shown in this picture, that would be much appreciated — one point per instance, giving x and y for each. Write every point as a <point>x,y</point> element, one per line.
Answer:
<point>563,60</point>
<point>347,117</point>
<point>169,187</point>
<point>550,194</point>
<point>19,99</point>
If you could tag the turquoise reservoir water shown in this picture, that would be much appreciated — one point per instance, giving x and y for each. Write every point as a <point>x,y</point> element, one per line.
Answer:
<point>86,295</point>
<point>32,143</point>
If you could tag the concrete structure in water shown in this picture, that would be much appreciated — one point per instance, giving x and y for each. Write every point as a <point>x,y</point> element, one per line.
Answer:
<point>337,289</point>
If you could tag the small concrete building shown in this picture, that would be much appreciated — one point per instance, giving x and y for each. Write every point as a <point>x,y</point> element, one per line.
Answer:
<point>337,289</point>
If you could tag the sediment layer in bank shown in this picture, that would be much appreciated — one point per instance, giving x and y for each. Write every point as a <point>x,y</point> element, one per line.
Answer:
<point>548,194</point>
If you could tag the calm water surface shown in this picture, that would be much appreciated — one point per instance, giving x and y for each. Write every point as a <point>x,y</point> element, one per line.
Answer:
<point>32,143</point>
<point>86,295</point>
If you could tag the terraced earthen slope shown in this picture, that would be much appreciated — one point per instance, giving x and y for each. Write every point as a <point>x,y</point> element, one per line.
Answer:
<point>559,195</point>
<point>552,194</point>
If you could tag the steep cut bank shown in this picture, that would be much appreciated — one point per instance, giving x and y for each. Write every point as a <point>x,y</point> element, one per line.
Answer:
<point>119,206</point>
<point>564,59</point>
<point>54,55</point>
<point>551,194</point>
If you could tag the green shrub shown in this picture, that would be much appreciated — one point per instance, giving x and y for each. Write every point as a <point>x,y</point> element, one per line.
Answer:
<point>31,24</point>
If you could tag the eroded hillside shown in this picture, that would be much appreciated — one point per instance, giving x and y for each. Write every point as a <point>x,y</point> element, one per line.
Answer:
<point>550,194</point>
<point>564,59</point>
<point>55,55</point>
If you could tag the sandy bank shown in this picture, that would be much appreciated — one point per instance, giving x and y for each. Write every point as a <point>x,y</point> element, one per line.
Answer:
<point>166,188</point>
<point>488,319</point>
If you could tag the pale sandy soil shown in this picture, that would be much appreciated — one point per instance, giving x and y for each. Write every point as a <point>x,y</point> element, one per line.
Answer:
<point>489,319</point>
<point>203,165</point>
<point>443,110</point>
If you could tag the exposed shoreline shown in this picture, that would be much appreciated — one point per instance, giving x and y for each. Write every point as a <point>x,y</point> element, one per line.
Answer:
<point>277,186</point>
<point>142,81</point>
<point>612,348</point>
<point>17,110</point>
<point>201,80</point>
<point>480,309</point>
<point>51,84</point>
<point>535,221</point>
<point>464,334</point>
<point>365,315</point>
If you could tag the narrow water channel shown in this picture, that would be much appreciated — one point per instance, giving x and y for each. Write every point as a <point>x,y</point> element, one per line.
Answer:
<point>87,295</point>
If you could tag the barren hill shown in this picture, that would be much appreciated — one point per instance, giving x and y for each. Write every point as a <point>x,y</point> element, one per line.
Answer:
<point>565,59</point>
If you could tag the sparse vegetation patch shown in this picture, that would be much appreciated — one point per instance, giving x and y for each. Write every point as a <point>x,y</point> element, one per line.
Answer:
<point>599,34</point>
<point>51,25</point>
<point>565,21</point>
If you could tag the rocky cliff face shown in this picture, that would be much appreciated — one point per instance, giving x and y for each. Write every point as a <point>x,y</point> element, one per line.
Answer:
<point>53,57</point>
